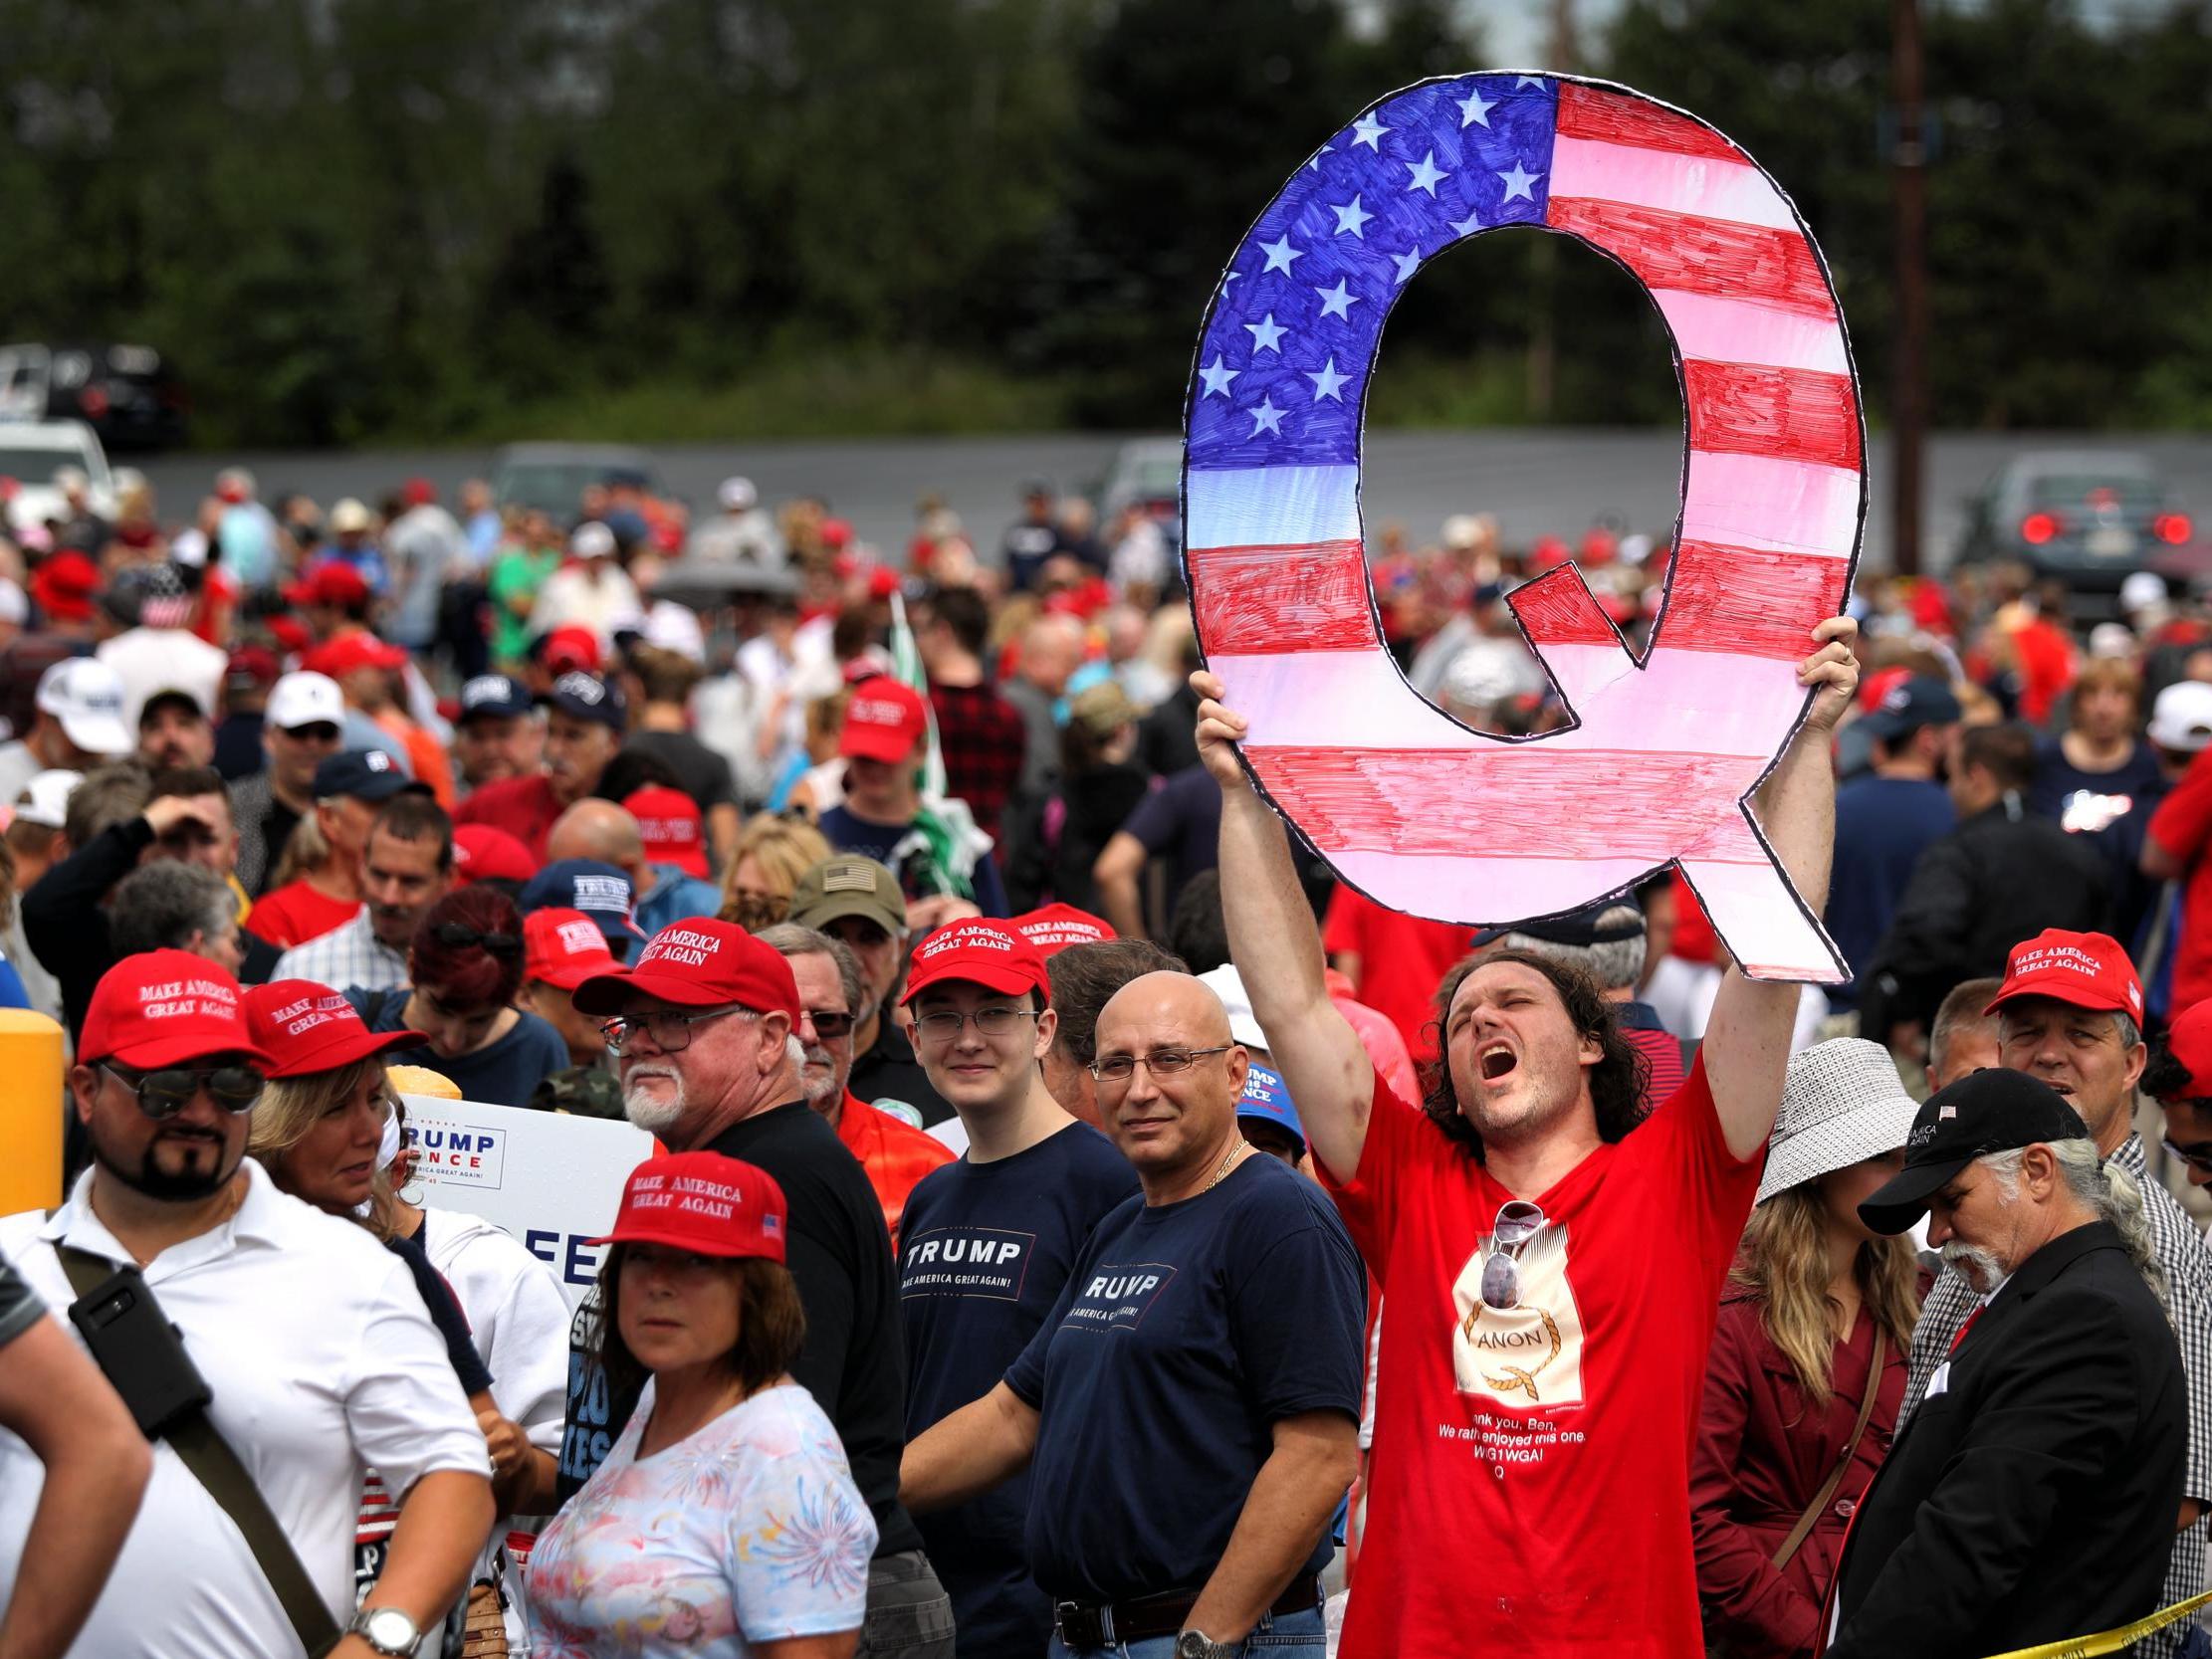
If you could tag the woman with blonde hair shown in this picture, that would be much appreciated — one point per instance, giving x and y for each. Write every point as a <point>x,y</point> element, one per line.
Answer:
<point>770,855</point>
<point>1809,1358</point>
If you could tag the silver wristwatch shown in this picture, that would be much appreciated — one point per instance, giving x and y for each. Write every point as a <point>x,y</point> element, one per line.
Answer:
<point>1191,1644</point>
<point>389,1630</point>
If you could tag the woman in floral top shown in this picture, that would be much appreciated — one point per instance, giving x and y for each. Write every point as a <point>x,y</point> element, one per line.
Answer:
<point>725,1522</point>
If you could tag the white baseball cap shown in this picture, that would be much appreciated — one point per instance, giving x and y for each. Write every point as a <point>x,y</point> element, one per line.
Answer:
<point>86,696</point>
<point>593,539</point>
<point>305,699</point>
<point>2181,719</point>
<point>736,495</point>
<point>2143,589</point>
<point>1227,985</point>
<point>674,627</point>
<point>350,515</point>
<point>45,799</point>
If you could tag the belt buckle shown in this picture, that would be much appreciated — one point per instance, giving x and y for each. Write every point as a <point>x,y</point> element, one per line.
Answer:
<point>1083,1629</point>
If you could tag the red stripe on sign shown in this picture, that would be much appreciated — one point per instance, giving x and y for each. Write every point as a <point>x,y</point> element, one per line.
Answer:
<point>1785,414</point>
<point>1262,601</point>
<point>1557,609</point>
<point>1520,801</point>
<point>1713,257</point>
<point>1748,602</point>
<point>1587,112</point>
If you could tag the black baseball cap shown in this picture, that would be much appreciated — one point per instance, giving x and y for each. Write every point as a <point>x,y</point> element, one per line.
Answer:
<point>366,774</point>
<point>494,694</point>
<point>587,697</point>
<point>1909,704</point>
<point>1576,928</point>
<point>1989,1111</point>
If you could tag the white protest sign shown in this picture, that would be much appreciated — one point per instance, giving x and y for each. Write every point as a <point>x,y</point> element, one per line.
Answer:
<point>549,1179</point>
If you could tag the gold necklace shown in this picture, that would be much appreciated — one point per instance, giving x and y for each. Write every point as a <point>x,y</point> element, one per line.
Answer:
<point>1227,1163</point>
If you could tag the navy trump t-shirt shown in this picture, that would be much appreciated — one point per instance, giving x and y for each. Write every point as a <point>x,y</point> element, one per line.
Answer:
<point>1186,1333</point>
<point>983,1252</point>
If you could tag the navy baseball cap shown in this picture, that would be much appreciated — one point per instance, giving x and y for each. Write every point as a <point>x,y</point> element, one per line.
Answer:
<point>1265,1096</point>
<point>1990,1110</point>
<point>1920,701</point>
<point>600,891</point>
<point>494,694</point>
<point>587,697</point>
<point>367,774</point>
<point>1576,928</point>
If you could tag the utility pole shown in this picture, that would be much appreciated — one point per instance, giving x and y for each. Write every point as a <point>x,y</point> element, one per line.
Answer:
<point>1908,189</point>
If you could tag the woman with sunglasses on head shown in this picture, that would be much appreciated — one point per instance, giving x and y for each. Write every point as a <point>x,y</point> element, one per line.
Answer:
<point>1809,1360</point>
<point>463,973</point>
<point>326,1130</point>
<point>725,1522</point>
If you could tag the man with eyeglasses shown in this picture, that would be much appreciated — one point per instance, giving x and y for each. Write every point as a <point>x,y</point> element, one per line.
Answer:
<point>310,1336</point>
<point>989,1243</point>
<point>2179,1078</point>
<point>1188,1409</point>
<point>704,1028</point>
<point>2068,1014</point>
<point>894,1152</point>
<point>1538,1379</point>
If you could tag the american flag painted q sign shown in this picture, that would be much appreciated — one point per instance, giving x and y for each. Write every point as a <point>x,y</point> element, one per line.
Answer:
<point>1406,805</point>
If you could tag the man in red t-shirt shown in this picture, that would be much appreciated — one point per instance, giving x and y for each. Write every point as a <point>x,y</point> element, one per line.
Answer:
<point>1394,961</point>
<point>1552,1280</point>
<point>585,717</point>
<point>2176,845</point>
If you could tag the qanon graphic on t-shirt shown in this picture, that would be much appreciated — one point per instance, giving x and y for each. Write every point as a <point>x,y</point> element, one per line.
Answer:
<point>1530,1354</point>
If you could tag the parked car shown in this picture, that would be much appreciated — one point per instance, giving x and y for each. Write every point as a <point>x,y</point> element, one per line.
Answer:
<point>32,452</point>
<point>2089,517</point>
<point>552,478</point>
<point>1147,473</point>
<point>125,393</point>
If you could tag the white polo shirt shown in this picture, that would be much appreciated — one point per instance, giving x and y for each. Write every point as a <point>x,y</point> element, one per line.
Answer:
<point>323,1362</point>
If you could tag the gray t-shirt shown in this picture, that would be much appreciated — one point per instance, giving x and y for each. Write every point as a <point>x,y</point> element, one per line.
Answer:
<point>20,1307</point>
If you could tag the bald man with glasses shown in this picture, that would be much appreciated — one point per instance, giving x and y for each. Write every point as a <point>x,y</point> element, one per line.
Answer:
<point>1198,1383</point>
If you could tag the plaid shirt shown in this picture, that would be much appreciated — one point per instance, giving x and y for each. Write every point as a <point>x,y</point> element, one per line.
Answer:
<point>982,736</point>
<point>351,956</point>
<point>2182,1251</point>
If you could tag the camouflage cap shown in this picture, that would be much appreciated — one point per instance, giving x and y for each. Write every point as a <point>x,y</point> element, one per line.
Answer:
<point>581,1090</point>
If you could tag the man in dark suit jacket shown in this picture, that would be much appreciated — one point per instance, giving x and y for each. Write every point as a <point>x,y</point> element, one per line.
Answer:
<point>2031,1497</point>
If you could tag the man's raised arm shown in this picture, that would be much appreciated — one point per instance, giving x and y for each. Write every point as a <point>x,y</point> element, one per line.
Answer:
<point>1747,1038</point>
<point>1278,950</point>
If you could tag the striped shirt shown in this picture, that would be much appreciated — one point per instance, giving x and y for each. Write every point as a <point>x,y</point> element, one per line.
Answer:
<point>2181,1250</point>
<point>345,957</point>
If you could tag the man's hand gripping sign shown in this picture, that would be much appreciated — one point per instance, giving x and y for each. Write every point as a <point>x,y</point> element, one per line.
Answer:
<point>1407,805</point>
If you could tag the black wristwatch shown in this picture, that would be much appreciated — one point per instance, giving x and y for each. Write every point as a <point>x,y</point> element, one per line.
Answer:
<point>389,1630</point>
<point>1192,1644</point>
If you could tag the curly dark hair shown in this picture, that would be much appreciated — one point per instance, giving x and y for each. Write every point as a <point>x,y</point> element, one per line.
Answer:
<point>2165,1077</point>
<point>1618,1082</point>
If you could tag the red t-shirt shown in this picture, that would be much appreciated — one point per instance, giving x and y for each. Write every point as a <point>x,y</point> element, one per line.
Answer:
<point>2182,826</point>
<point>895,1155</point>
<point>295,913</point>
<point>1530,1473</point>
<point>525,807</point>
<point>1402,959</point>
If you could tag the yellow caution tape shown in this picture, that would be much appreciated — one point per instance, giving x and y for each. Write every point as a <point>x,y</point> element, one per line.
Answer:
<point>2110,1641</point>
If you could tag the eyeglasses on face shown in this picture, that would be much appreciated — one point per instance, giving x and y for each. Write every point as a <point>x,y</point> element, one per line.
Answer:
<point>943,1025</point>
<point>1517,1222</point>
<point>1166,1061</point>
<point>169,1090</point>
<point>670,1030</point>
<point>2197,1157</point>
<point>831,1023</point>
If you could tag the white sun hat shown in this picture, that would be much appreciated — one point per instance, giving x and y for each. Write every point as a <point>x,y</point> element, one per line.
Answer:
<point>1841,1102</point>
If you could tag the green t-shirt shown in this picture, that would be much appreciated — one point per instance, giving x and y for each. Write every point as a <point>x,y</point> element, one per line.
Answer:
<point>517,573</point>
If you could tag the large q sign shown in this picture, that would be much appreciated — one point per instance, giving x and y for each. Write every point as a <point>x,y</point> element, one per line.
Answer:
<point>1410,806</point>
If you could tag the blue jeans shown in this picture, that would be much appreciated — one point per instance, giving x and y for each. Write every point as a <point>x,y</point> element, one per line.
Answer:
<point>1285,1636</point>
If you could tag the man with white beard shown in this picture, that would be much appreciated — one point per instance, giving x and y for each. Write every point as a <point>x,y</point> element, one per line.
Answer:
<point>703,1028</point>
<point>832,999</point>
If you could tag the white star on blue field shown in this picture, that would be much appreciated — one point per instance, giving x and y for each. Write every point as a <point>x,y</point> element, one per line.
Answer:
<point>1292,336</point>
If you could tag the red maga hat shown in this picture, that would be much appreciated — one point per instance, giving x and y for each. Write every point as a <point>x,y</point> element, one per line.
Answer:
<point>164,1007</point>
<point>571,650</point>
<point>64,586</point>
<point>705,1203</point>
<point>884,721</point>
<point>487,852</point>
<point>565,948</point>
<point>1056,926</point>
<point>669,825</point>
<point>2189,1041</point>
<point>330,583</point>
<point>350,651</point>
<point>697,963</point>
<point>978,952</point>
<point>2088,971</point>
<point>307,1028</point>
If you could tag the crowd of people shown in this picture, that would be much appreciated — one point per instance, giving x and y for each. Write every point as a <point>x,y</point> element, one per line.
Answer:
<point>1044,1135</point>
